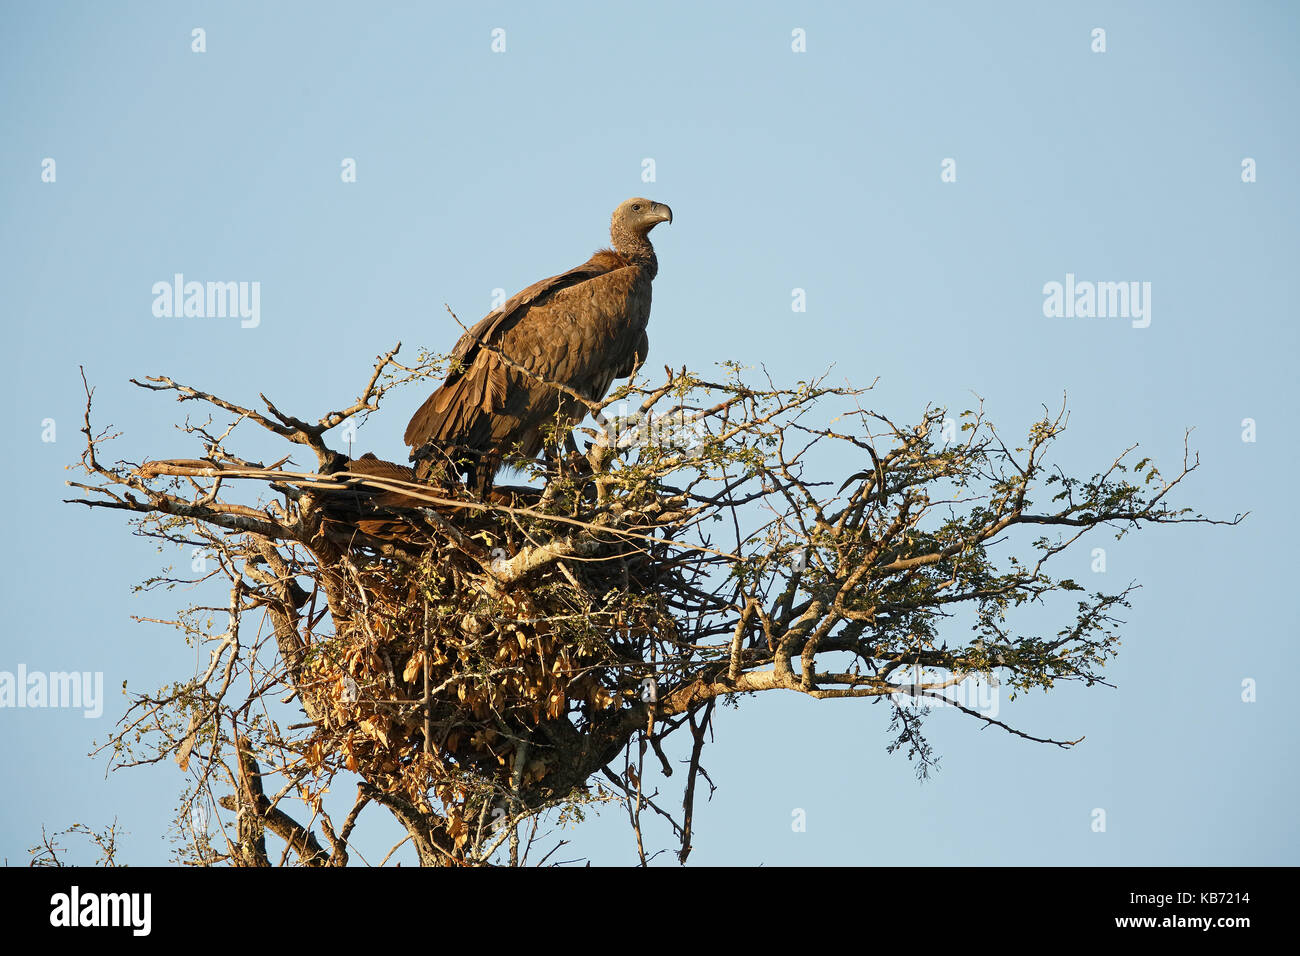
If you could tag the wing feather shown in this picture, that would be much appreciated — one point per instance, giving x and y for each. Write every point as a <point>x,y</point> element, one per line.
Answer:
<point>444,413</point>
<point>580,330</point>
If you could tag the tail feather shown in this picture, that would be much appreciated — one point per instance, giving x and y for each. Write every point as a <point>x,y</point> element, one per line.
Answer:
<point>457,411</point>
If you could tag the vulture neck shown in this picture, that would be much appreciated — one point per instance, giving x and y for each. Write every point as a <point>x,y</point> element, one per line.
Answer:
<point>635,248</point>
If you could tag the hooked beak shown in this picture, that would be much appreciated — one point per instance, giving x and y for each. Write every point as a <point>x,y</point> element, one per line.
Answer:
<point>665,214</point>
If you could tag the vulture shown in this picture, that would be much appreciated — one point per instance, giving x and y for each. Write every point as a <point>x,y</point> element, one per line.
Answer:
<point>518,369</point>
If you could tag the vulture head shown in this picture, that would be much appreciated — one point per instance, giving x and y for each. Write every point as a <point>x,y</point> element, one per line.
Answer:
<point>632,222</point>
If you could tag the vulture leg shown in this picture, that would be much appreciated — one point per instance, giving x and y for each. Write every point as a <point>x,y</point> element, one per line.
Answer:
<point>573,462</point>
<point>573,459</point>
<point>553,461</point>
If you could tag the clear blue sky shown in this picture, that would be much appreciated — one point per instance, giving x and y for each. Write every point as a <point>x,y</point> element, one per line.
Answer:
<point>818,170</point>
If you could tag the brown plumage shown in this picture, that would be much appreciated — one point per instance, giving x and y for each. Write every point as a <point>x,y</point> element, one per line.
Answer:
<point>580,329</point>
<point>384,512</point>
<point>375,467</point>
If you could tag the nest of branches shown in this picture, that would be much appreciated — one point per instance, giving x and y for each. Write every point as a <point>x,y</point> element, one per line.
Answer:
<point>476,663</point>
<point>447,676</point>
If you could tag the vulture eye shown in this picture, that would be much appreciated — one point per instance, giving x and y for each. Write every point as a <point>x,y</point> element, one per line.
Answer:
<point>636,207</point>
